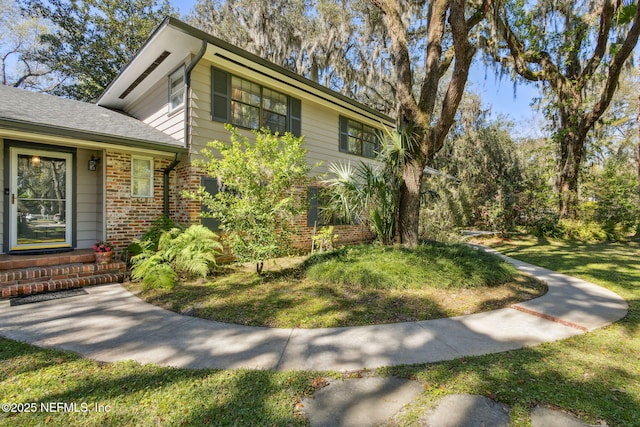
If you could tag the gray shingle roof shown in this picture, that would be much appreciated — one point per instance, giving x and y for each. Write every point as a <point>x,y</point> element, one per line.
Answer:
<point>35,112</point>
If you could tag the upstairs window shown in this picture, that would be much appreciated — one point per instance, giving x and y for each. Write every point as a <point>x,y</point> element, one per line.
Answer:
<point>249,105</point>
<point>176,89</point>
<point>358,138</point>
<point>141,176</point>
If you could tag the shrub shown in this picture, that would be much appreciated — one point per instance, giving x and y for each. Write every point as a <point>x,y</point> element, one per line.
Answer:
<point>546,225</point>
<point>582,231</point>
<point>325,239</point>
<point>430,264</point>
<point>180,254</point>
<point>158,226</point>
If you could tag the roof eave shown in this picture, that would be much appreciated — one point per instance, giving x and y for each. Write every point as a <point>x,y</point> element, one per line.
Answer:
<point>194,32</point>
<point>49,130</point>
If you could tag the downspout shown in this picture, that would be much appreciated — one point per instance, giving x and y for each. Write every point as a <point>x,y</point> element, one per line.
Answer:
<point>187,84</point>
<point>187,132</point>
<point>165,186</point>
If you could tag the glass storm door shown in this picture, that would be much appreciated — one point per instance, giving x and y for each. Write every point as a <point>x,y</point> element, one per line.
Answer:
<point>40,205</point>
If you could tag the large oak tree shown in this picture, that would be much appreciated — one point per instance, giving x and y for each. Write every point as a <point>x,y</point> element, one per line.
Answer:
<point>441,32</point>
<point>577,50</point>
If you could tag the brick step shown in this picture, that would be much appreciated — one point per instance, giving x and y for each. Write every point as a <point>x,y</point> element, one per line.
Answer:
<point>13,262</point>
<point>38,274</point>
<point>59,284</point>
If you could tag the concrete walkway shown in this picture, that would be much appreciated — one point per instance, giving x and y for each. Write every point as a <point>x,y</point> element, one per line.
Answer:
<point>111,324</point>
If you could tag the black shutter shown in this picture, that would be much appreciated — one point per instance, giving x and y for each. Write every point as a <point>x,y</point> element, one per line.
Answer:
<point>344,134</point>
<point>211,186</point>
<point>295,116</point>
<point>312,206</point>
<point>220,95</point>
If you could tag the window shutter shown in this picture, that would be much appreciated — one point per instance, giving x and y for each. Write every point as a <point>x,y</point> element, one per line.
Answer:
<point>211,186</point>
<point>220,95</point>
<point>312,203</point>
<point>295,116</point>
<point>344,134</point>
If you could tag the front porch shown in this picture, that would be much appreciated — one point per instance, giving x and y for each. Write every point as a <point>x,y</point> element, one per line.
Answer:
<point>31,274</point>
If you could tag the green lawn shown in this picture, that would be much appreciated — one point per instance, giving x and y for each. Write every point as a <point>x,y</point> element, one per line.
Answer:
<point>144,395</point>
<point>594,375</point>
<point>352,286</point>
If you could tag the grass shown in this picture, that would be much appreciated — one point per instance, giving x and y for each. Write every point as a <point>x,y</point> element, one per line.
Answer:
<point>353,286</point>
<point>144,395</point>
<point>594,375</point>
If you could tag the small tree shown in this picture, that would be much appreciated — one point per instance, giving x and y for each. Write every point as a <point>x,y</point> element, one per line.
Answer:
<point>259,196</point>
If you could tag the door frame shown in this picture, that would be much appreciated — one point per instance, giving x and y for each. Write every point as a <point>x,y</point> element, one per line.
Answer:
<point>9,180</point>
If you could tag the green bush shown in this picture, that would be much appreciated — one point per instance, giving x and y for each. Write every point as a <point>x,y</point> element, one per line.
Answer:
<point>158,226</point>
<point>430,264</point>
<point>257,204</point>
<point>570,229</point>
<point>183,254</point>
<point>546,225</point>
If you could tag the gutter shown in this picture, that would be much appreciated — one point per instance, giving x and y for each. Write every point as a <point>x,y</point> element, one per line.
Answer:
<point>187,84</point>
<point>187,133</point>
<point>165,184</point>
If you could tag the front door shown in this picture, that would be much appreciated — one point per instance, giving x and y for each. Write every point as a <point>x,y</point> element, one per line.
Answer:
<point>40,214</point>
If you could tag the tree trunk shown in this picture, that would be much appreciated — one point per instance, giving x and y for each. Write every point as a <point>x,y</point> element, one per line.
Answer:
<point>569,161</point>
<point>409,210</point>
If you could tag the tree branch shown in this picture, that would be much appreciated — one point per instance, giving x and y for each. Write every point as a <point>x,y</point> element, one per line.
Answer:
<point>400,50</point>
<point>606,17</point>
<point>521,58</point>
<point>615,68</point>
<point>464,53</point>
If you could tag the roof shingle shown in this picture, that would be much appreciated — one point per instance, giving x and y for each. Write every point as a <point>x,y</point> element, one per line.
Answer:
<point>27,110</point>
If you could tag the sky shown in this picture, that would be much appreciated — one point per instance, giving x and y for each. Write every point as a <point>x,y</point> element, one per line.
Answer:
<point>497,95</point>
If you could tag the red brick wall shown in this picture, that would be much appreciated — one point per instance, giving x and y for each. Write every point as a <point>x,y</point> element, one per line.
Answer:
<point>129,217</point>
<point>188,179</point>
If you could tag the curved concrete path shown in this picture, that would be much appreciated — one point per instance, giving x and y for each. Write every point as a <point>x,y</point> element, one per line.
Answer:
<point>111,324</point>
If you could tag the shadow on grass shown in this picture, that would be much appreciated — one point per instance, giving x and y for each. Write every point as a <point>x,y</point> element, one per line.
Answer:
<point>558,375</point>
<point>146,394</point>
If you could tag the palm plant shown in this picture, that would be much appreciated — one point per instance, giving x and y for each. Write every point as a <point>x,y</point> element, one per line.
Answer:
<point>371,193</point>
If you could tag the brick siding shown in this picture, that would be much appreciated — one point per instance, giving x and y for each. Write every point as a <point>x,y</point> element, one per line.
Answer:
<point>129,217</point>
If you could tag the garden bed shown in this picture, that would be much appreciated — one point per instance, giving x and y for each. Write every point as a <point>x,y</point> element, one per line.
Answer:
<point>353,286</point>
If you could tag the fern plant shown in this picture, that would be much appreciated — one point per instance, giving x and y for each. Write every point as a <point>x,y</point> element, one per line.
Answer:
<point>180,254</point>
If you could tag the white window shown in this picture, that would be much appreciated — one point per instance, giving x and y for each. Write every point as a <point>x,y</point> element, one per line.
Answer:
<point>176,89</point>
<point>142,176</point>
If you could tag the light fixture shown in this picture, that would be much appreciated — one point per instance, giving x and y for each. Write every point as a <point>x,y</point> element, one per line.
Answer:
<point>35,161</point>
<point>93,163</point>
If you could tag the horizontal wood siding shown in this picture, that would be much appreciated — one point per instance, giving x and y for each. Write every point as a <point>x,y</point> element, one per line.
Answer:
<point>320,123</point>
<point>203,128</point>
<point>153,109</point>
<point>88,199</point>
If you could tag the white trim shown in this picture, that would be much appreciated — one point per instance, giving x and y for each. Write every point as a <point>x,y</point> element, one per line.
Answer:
<point>150,177</point>
<point>13,207</point>
<point>174,76</point>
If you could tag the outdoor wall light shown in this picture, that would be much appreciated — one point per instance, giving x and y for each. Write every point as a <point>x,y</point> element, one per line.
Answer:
<point>93,163</point>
